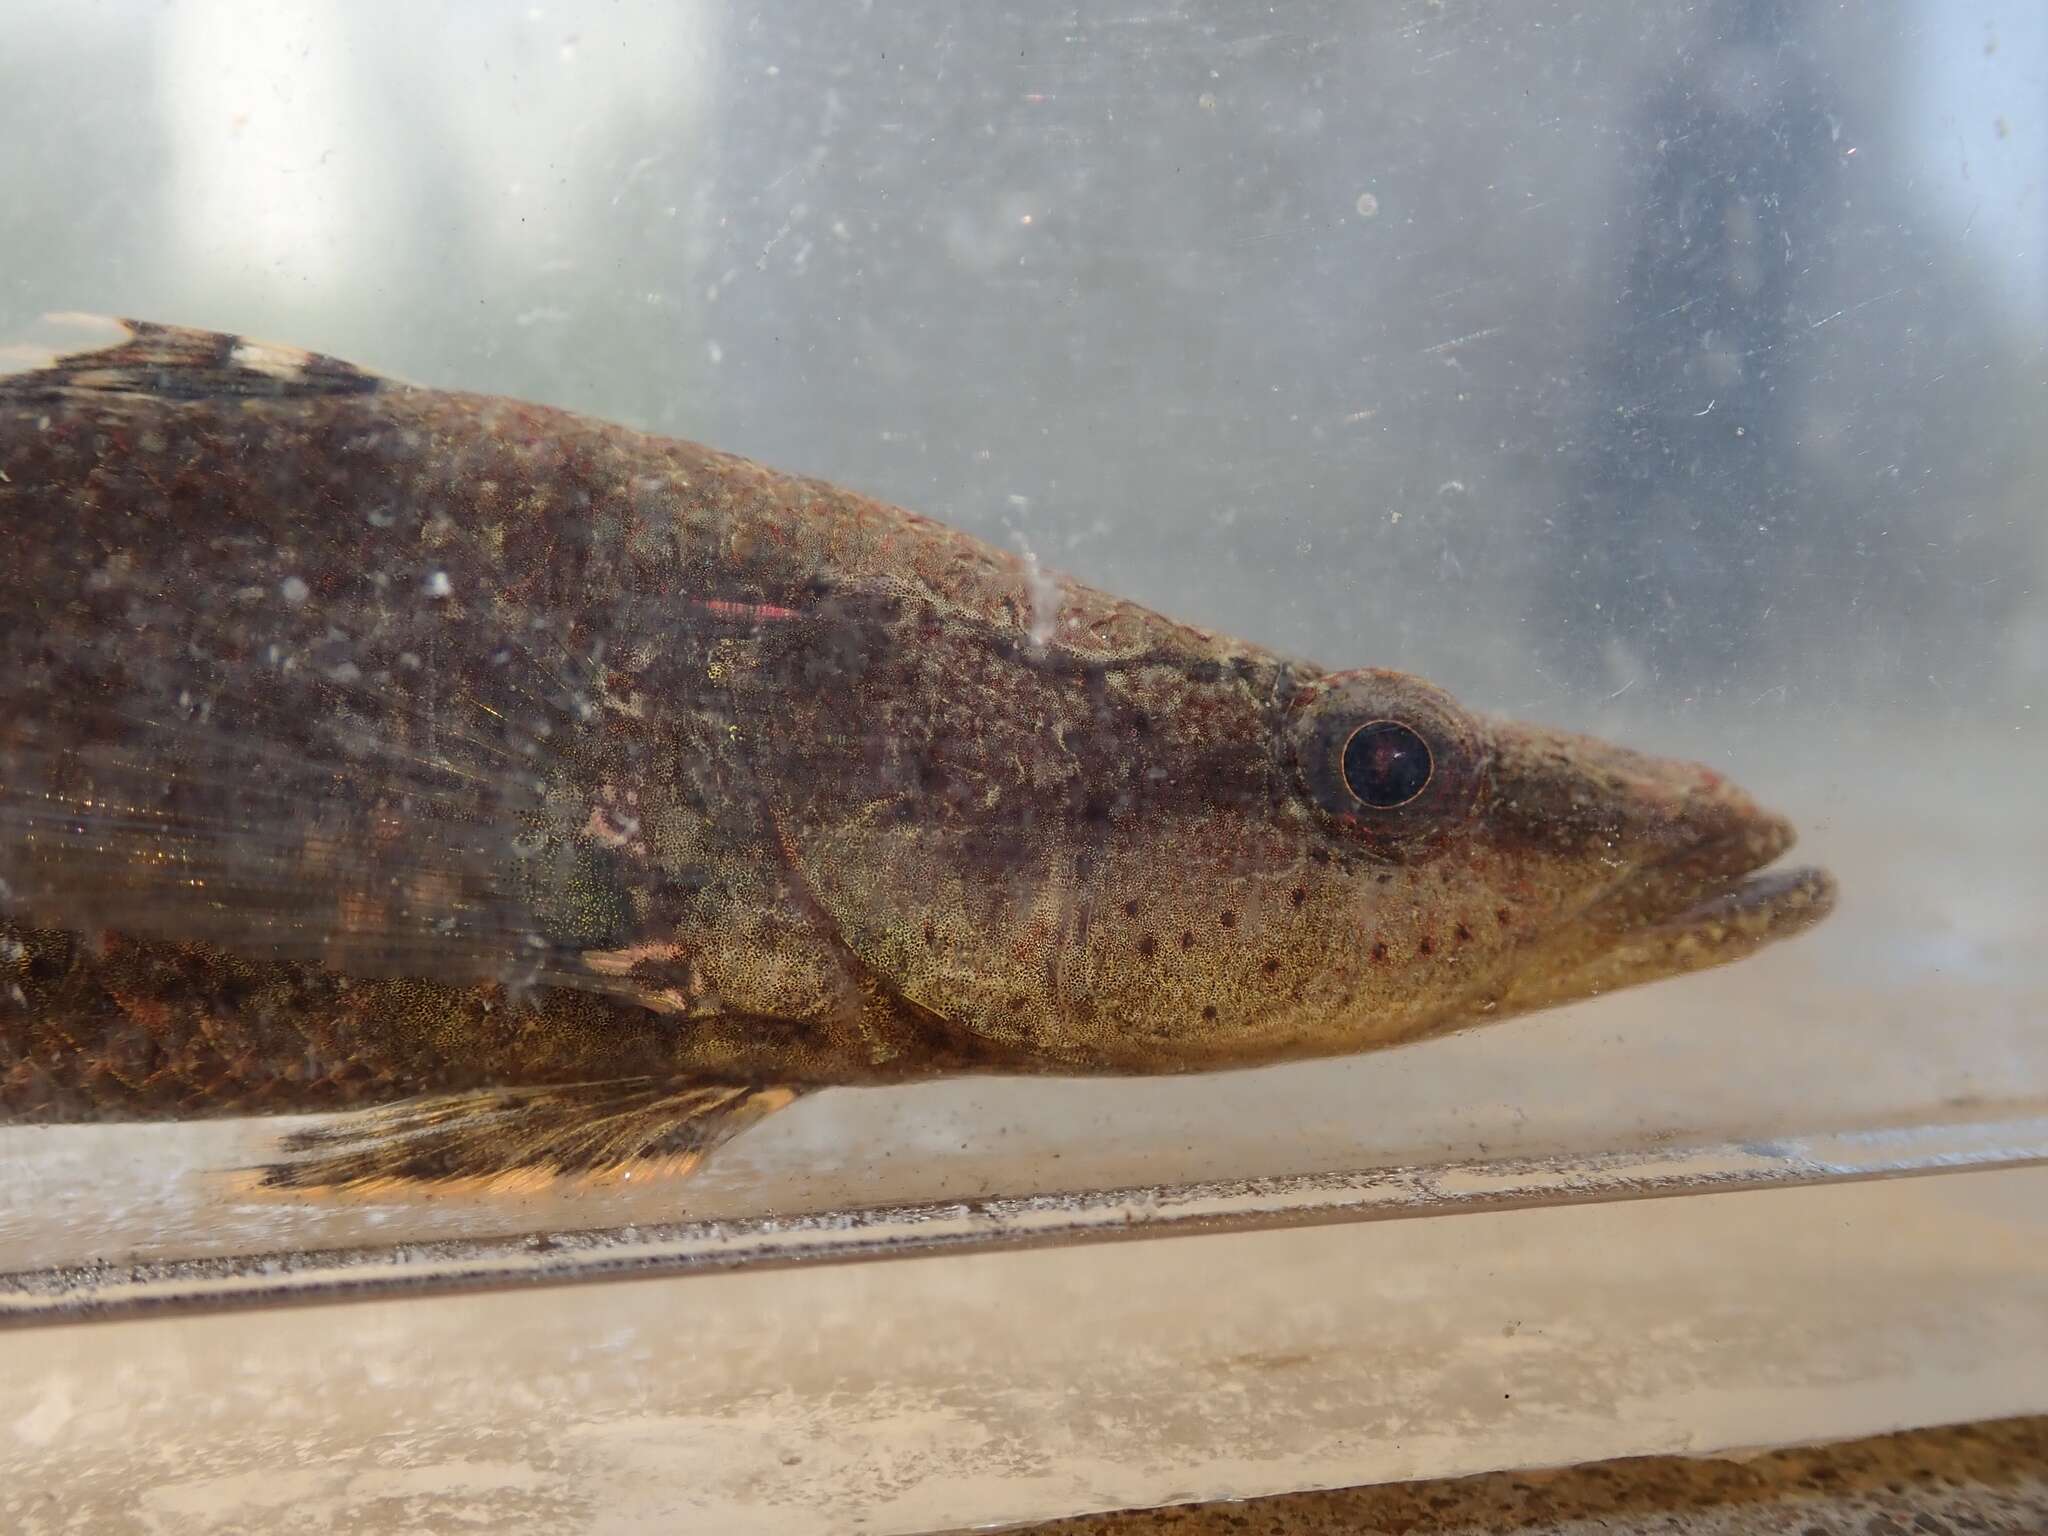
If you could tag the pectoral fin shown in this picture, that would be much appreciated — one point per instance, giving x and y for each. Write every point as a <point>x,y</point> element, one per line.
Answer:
<point>512,1137</point>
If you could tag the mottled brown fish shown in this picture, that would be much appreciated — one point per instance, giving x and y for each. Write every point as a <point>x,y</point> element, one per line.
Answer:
<point>568,797</point>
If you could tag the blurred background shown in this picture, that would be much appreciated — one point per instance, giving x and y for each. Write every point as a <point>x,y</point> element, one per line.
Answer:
<point>1548,349</point>
<point>1675,370</point>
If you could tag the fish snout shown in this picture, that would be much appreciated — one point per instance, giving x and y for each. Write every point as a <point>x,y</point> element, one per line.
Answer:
<point>1575,797</point>
<point>1654,863</point>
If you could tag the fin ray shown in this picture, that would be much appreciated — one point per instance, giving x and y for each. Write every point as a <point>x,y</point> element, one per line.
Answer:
<point>502,1138</point>
<point>141,357</point>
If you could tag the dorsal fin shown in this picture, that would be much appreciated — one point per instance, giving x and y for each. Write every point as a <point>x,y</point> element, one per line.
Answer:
<point>140,357</point>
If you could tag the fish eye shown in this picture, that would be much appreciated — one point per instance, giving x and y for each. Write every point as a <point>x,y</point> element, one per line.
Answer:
<point>1387,764</point>
<point>1388,761</point>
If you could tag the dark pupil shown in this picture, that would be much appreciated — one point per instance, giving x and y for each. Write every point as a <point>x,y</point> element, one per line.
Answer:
<point>1386,764</point>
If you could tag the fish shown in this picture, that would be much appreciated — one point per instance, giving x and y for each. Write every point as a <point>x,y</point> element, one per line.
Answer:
<point>538,799</point>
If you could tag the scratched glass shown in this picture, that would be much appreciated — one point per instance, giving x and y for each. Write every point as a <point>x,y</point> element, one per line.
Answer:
<point>1669,375</point>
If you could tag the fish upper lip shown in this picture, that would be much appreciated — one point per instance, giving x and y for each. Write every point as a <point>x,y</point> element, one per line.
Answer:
<point>1722,875</point>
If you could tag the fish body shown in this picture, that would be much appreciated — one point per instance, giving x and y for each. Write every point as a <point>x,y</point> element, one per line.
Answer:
<point>571,796</point>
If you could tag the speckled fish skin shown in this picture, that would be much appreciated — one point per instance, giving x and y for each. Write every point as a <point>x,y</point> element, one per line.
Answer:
<point>360,741</point>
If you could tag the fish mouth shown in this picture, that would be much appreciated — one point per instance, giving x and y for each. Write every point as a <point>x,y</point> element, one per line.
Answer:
<point>1705,905</point>
<point>1720,882</point>
<point>1726,920</point>
<point>1777,902</point>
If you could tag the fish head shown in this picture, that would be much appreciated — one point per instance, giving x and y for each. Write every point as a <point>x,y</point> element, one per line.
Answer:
<point>1231,864</point>
<point>1470,868</point>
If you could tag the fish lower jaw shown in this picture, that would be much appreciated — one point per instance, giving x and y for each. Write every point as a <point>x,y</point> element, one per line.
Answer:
<point>1721,921</point>
<point>1759,908</point>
